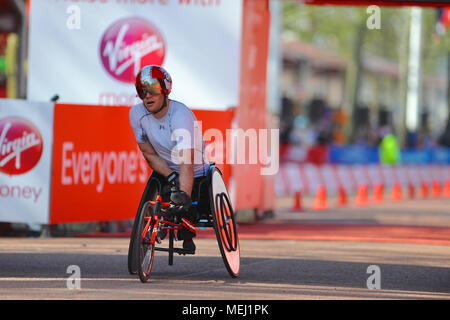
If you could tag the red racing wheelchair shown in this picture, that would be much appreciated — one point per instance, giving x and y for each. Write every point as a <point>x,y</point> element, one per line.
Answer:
<point>154,215</point>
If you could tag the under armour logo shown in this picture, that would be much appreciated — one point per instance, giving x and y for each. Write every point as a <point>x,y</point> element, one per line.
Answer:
<point>161,127</point>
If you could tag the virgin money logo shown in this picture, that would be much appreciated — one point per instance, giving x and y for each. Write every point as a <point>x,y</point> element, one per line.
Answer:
<point>128,45</point>
<point>21,145</point>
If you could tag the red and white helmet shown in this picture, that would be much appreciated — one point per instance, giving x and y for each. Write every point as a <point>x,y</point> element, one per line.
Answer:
<point>153,79</point>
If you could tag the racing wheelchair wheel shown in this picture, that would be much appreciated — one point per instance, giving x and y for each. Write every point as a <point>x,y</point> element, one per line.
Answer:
<point>150,193</point>
<point>145,240</point>
<point>224,223</point>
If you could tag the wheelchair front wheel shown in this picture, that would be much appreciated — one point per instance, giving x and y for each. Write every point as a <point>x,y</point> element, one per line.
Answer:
<point>150,192</point>
<point>145,239</point>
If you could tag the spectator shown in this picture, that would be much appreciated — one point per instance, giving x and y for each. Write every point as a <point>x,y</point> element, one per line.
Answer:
<point>444,139</point>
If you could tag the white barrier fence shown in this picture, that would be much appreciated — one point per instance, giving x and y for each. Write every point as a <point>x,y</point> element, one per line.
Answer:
<point>306,178</point>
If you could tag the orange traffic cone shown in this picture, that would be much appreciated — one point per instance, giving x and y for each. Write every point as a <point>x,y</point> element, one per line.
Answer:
<point>411,191</point>
<point>342,200</point>
<point>424,189</point>
<point>436,191</point>
<point>361,196</point>
<point>297,201</point>
<point>396,194</point>
<point>446,191</point>
<point>320,203</point>
<point>378,192</point>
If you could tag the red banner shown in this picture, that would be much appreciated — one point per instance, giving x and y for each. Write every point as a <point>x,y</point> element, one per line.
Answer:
<point>251,113</point>
<point>98,172</point>
<point>445,17</point>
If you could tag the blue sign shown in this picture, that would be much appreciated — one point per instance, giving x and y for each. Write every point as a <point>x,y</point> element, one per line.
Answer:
<point>370,155</point>
<point>353,154</point>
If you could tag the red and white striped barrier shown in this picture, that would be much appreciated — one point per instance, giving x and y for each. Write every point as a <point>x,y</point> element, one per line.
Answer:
<point>306,178</point>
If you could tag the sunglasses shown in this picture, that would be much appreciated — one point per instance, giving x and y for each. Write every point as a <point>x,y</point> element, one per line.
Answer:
<point>153,87</point>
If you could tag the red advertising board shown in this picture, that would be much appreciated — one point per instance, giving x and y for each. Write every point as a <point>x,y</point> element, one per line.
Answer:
<point>98,171</point>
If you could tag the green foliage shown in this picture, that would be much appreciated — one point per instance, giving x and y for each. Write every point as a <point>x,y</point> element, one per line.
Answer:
<point>2,64</point>
<point>334,28</point>
<point>434,47</point>
<point>325,26</point>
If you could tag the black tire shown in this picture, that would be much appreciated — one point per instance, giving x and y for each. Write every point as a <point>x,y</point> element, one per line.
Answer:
<point>150,193</point>
<point>144,251</point>
<point>224,223</point>
<point>171,239</point>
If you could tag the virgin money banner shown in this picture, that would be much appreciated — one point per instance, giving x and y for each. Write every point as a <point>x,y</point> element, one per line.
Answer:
<point>89,52</point>
<point>26,134</point>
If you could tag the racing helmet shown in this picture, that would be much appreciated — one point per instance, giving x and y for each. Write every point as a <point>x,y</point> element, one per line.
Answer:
<point>153,79</point>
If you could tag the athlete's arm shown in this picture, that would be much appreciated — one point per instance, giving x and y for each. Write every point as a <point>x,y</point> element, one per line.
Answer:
<point>154,160</point>
<point>187,171</point>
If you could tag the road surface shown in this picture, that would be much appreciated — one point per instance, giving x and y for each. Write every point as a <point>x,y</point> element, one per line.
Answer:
<point>324,264</point>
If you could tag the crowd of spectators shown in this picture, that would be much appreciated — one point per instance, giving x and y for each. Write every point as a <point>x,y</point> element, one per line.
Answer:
<point>318,124</point>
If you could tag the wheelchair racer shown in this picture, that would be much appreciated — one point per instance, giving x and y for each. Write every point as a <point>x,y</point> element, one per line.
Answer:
<point>170,140</point>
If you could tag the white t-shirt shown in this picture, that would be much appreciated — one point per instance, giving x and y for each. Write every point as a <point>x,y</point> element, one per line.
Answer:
<point>176,131</point>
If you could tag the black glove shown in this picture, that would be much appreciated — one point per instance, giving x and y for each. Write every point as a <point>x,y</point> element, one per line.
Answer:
<point>182,199</point>
<point>174,181</point>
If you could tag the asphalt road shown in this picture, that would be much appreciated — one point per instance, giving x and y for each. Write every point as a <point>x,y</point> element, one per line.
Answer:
<point>37,269</point>
<point>270,269</point>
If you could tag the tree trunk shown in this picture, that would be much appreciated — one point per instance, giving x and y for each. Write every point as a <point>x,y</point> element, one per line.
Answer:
<point>447,126</point>
<point>355,83</point>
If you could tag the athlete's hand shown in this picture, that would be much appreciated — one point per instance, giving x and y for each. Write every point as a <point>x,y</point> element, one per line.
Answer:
<point>182,199</point>
<point>174,181</point>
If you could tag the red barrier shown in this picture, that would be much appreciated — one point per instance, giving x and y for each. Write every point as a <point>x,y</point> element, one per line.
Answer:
<point>397,193</point>
<point>446,192</point>
<point>362,198</point>
<point>411,190</point>
<point>342,200</point>
<point>436,189</point>
<point>297,202</point>
<point>378,193</point>
<point>321,203</point>
<point>343,180</point>
<point>424,189</point>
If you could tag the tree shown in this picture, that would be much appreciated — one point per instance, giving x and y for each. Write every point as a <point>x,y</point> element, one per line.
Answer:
<point>342,29</point>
